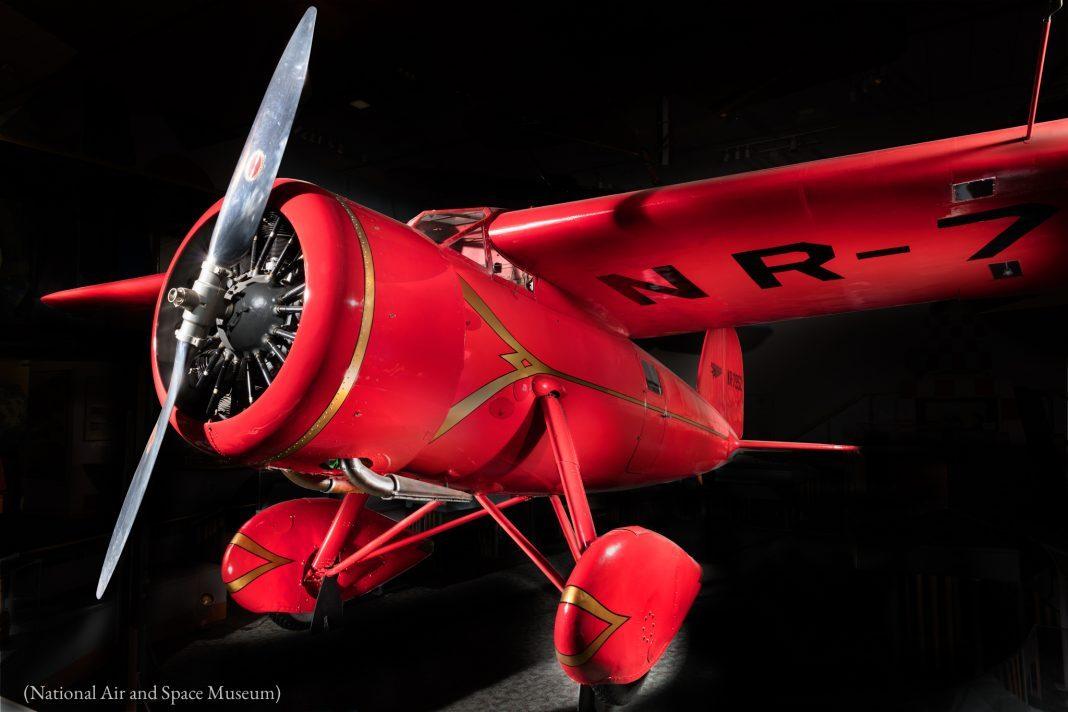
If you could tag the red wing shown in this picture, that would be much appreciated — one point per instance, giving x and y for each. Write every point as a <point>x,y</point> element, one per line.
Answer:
<point>974,216</point>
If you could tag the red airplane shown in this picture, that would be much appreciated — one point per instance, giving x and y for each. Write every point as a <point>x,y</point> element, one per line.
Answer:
<point>486,356</point>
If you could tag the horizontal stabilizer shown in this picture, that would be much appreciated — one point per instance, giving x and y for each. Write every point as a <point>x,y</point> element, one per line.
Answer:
<point>135,294</point>
<point>781,446</point>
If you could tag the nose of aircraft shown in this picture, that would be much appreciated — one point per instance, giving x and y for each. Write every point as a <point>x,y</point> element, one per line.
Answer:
<point>259,378</point>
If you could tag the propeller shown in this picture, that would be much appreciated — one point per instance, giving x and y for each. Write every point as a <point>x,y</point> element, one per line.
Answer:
<point>242,209</point>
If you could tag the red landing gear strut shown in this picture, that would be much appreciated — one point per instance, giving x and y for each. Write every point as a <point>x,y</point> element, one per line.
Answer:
<point>576,522</point>
<point>582,532</point>
<point>387,542</point>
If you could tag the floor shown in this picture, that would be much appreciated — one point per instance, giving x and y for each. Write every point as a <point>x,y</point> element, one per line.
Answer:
<point>486,644</point>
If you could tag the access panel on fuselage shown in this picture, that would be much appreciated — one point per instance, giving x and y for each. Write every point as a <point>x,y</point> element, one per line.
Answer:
<point>647,449</point>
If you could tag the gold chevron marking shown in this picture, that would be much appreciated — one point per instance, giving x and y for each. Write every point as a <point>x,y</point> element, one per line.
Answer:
<point>575,596</point>
<point>353,370</point>
<point>525,364</point>
<point>517,360</point>
<point>272,562</point>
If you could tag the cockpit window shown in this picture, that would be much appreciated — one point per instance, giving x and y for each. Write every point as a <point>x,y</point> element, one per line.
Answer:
<point>464,231</point>
<point>440,226</point>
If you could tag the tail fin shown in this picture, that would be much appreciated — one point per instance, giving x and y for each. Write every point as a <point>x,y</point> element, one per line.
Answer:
<point>720,379</point>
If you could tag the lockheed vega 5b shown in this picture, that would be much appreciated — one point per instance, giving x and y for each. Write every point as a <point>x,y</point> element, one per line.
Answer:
<point>486,356</point>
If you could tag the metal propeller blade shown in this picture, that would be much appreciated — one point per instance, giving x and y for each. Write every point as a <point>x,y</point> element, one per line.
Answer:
<point>241,212</point>
<point>257,167</point>
<point>139,483</point>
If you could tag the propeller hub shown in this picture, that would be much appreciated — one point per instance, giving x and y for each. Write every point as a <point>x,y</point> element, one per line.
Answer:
<point>251,314</point>
<point>200,304</point>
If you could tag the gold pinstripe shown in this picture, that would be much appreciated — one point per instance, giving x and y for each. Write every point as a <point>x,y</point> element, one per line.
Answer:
<point>353,370</point>
<point>272,561</point>
<point>575,596</point>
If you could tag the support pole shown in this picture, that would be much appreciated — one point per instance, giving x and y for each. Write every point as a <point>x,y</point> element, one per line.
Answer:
<point>521,541</point>
<point>369,548</point>
<point>1062,604</point>
<point>351,506</point>
<point>565,525</point>
<point>446,526</point>
<point>568,465</point>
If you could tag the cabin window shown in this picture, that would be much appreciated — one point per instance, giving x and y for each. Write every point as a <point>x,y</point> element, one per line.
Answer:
<point>973,189</point>
<point>464,231</point>
<point>652,378</point>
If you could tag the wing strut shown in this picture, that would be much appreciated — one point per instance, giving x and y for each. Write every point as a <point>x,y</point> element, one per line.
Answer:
<point>1032,111</point>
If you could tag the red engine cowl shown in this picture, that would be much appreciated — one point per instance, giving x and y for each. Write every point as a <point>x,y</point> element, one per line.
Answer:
<point>376,355</point>
<point>265,564</point>
<point>622,605</point>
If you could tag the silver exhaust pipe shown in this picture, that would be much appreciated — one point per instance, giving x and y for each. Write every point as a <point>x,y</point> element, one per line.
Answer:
<point>319,483</point>
<point>391,486</point>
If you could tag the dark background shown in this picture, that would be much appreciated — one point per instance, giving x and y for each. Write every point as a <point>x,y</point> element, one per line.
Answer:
<point>930,574</point>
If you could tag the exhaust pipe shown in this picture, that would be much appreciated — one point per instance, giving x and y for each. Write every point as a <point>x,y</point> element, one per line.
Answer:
<point>364,479</point>
<point>319,483</point>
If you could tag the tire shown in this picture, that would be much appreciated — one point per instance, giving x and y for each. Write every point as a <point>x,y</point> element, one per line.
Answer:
<point>288,621</point>
<point>601,698</point>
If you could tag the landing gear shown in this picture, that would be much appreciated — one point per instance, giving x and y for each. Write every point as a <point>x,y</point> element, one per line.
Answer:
<point>278,560</point>
<point>600,698</point>
<point>619,607</point>
<point>636,583</point>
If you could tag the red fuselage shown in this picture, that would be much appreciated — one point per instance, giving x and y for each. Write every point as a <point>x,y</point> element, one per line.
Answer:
<point>419,360</point>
